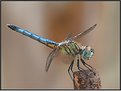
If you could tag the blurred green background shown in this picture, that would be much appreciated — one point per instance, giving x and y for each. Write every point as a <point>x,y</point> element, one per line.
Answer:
<point>23,59</point>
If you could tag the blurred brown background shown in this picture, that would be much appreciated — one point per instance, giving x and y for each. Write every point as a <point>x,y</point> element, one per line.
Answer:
<point>23,59</point>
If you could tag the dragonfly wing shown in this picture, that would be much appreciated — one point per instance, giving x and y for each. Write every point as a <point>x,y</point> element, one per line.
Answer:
<point>50,58</point>
<point>69,36</point>
<point>84,32</point>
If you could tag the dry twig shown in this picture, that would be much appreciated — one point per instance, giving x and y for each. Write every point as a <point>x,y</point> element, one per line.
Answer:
<point>87,80</point>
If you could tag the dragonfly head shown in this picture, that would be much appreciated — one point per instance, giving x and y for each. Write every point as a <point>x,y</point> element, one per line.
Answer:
<point>87,52</point>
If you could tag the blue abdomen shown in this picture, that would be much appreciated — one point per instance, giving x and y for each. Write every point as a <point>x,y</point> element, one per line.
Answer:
<point>32,35</point>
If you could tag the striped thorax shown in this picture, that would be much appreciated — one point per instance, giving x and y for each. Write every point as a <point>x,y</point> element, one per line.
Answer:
<point>73,48</point>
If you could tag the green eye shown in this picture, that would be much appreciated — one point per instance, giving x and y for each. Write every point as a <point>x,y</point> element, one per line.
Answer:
<point>87,54</point>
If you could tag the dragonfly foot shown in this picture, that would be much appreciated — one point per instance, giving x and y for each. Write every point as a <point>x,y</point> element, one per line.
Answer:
<point>71,68</point>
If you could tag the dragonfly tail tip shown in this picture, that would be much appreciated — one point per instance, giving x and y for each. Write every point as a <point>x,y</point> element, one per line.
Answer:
<point>8,25</point>
<point>11,26</point>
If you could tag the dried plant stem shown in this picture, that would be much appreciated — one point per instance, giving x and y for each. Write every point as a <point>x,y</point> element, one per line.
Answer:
<point>86,80</point>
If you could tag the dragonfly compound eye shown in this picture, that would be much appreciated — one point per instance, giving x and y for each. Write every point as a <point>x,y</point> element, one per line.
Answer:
<point>87,54</point>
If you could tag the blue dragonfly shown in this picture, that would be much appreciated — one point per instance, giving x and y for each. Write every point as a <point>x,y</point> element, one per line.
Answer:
<point>68,46</point>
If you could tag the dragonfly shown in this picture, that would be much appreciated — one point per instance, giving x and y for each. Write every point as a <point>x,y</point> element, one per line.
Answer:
<point>68,46</point>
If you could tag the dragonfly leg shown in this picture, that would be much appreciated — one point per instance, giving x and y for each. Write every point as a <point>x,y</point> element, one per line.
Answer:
<point>80,68</point>
<point>86,65</point>
<point>71,68</point>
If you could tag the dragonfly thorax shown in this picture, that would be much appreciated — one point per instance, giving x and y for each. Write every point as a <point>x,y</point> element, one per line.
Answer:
<point>73,48</point>
<point>70,48</point>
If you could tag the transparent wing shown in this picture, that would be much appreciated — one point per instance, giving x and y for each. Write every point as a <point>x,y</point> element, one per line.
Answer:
<point>50,58</point>
<point>84,32</point>
<point>69,36</point>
